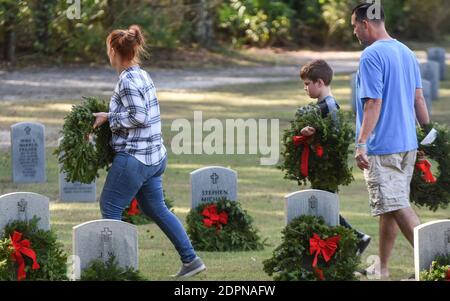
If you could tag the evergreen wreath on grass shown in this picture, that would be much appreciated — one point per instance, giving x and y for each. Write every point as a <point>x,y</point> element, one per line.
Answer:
<point>30,253</point>
<point>427,189</point>
<point>79,157</point>
<point>439,269</point>
<point>109,271</point>
<point>311,250</point>
<point>323,158</point>
<point>222,226</point>
<point>134,215</point>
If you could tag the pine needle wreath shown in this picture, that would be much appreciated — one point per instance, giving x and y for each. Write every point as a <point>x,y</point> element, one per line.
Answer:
<point>50,256</point>
<point>327,165</point>
<point>134,215</point>
<point>434,193</point>
<point>232,230</point>
<point>293,261</point>
<point>79,157</point>
<point>109,271</point>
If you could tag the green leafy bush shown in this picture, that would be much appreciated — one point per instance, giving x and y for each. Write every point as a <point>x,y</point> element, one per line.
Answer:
<point>255,22</point>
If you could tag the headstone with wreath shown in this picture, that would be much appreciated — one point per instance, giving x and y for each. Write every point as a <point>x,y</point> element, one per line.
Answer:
<point>103,239</point>
<point>216,221</point>
<point>213,183</point>
<point>23,206</point>
<point>430,240</point>
<point>313,202</point>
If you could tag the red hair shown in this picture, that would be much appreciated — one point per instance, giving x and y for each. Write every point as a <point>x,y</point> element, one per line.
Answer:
<point>129,44</point>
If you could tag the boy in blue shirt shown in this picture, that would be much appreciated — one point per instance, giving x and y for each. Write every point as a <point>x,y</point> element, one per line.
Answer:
<point>317,76</point>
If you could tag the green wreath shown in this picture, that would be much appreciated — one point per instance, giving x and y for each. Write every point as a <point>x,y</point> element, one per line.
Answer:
<point>79,158</point>
<point>110,270</point>
<point>292,259</point>
<point>428,190</point>
<point>222,226</point>
<point>50,257</point>
<point>439,269</point>
<point>327,165</point>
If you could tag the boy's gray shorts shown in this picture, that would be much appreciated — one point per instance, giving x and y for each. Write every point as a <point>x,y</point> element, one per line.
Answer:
<point>388,181</point>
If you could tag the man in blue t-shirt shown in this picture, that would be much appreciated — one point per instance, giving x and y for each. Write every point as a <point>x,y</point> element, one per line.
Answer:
<point>390,98</point>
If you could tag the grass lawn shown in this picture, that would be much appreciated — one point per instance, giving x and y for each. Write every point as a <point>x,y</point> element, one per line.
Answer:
<point>261,188</point>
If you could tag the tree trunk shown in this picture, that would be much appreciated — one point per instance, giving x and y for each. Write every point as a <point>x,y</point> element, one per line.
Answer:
<point>9,49</point>
<point>204,25</point>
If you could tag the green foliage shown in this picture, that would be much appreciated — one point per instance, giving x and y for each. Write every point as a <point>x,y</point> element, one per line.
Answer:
<point>439,270</point>
<point>292,261</point>
<point>237,235</point>
<point>49,253</point>
<point>78,157</point>
<point>433,195</point>
<point>109,271</point>
<point>255,22</point>
<point>335,136</point>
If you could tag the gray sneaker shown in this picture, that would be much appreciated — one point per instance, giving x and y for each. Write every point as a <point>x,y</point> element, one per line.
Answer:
<point>190,269</point>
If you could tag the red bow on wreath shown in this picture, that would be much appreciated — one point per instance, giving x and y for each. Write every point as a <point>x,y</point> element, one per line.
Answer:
<point>22,247</point>
<point>425,167</point>
<point>302,140</point>
<point>134,209</point>
<point>325,247</point>
<point>213,218</point>
<point>447,276</point>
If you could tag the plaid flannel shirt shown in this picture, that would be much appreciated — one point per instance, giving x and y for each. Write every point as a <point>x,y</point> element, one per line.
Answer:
<point>135,119</point>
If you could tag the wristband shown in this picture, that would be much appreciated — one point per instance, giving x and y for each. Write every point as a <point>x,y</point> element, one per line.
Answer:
<point>361,145</point>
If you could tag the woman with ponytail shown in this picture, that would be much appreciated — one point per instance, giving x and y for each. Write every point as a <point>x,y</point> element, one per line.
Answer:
<point>141,157</point>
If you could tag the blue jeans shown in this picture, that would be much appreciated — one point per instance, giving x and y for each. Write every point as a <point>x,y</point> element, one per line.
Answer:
<point>129,178</point>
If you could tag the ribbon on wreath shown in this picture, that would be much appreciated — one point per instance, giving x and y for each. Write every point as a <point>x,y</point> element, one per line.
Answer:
<point>213,218</point>
<point>304,162</point>
<point>22,247</point>
<point>425,167</point>
<point>326,248</point>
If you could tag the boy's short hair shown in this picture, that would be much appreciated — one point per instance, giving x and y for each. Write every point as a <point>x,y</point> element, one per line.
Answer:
<point>317,69</point>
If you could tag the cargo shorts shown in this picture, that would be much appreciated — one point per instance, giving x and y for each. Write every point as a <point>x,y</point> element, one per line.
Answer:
<point>388,181</point>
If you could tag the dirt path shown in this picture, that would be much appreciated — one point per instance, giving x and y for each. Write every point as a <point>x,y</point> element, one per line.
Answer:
<point>73,82</point>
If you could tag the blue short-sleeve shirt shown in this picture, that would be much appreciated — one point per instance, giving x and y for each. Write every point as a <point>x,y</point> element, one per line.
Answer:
<point>389,70</point>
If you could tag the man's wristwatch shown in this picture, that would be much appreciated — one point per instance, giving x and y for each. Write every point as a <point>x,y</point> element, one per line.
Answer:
<point>361,145</point>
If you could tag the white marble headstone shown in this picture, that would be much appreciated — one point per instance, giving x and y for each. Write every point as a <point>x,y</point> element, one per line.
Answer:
<point>23,206</point>
<point>313,202</point>
<point>430,239</point>
<point>212,183</point>
<point>101,239</point>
